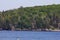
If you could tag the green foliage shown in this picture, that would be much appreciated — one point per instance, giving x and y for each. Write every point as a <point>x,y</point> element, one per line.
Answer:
<point>31,17</point>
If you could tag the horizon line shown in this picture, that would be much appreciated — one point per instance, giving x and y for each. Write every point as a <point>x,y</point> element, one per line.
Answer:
<point>28,6</point>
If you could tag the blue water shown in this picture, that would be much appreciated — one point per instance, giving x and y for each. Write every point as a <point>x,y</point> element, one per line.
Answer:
<point>29,35</point>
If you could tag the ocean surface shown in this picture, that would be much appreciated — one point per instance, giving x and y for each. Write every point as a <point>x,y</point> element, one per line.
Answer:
<point>29,35</point>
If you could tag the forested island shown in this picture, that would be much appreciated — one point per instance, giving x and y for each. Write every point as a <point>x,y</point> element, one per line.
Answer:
<point>38,18</point>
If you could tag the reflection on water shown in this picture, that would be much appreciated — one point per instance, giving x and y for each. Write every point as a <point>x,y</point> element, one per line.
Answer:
<point>29,35</point>
<point>18,38</point>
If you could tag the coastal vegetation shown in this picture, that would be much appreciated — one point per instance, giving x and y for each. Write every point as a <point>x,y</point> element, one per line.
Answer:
<point>31,18</point>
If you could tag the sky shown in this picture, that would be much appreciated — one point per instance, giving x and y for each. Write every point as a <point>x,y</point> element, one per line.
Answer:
<point>13,4</point>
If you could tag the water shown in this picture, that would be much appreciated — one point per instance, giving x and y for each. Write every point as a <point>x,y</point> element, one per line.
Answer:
<point>29,35</point>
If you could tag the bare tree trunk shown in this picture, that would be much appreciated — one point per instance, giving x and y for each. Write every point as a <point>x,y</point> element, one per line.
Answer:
<point>34,25</point>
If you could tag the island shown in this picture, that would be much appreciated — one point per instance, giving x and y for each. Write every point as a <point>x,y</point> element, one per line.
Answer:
<point>36,18</point>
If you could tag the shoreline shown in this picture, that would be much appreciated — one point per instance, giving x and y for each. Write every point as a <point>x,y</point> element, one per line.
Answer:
<point>35,30</point>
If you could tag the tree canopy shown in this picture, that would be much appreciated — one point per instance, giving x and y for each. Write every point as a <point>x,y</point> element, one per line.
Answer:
<point>37,17</point>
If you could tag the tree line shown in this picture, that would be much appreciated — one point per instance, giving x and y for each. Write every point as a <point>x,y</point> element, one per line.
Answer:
<point>31,18</point>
